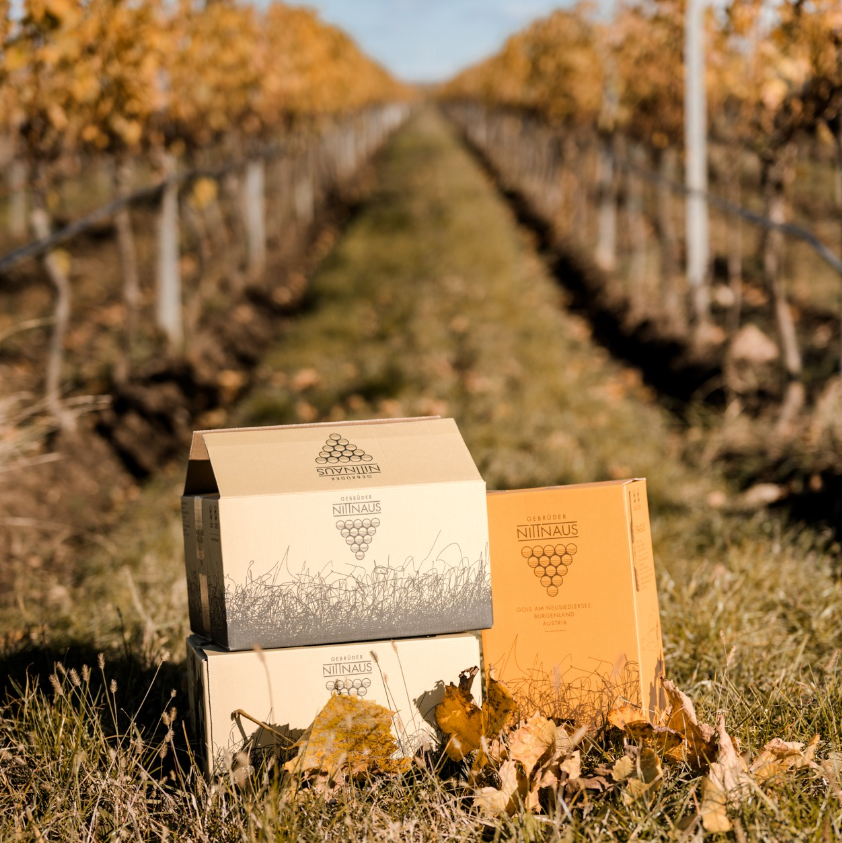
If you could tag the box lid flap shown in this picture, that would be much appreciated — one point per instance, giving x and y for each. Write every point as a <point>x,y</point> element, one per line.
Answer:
<point>597,484</point>
<point>242,462</point>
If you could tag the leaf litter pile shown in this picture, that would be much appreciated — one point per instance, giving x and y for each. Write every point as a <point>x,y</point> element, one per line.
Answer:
<point>503,763</point>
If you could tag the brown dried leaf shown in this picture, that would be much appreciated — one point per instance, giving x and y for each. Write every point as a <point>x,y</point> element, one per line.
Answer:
<point>498,709</point>
<point>529,743</point>
<point>508,797</point>
<point>726,785</point>
<point>626,715</point>
<point>779,756</point>
<point>623,769</point>
<point>647,778</point>
<point>598,783</point>
<point>469,727</point>
<point>565,743</point>
<point>635,724</point>
<point>460,718</point>
<point>572,765</point>
<point>699,738</point>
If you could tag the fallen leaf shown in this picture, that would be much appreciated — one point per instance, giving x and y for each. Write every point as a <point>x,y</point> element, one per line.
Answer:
<point>530,742</point>
<point>699,745</point>
<point>623,768</point>
<point>498,710</point>
<point>646,779</point>
<point>637,726</point>
<point>459,717</point>
<point>470,728</point>
<point>625,715</point>
<point>726,784</point>
<point>350,737</point>
<point>778,756</point>
<point>572,765</point>
<point>565,743</point>
<point>508,797</point>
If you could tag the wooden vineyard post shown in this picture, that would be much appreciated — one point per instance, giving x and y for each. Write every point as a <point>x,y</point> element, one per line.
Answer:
<point>61,283</point>
<point>637,230</point>
<point>777,170</point>
<point>669,242</point>
<point>304,199</point>
<point>695,142</point>
<point>17,198</point>
<point>837,137</point>
<point>735,247</point>
<point>254,207</point>
<point>168,312</point>
<point>128,262</point>
<point>606,244</point>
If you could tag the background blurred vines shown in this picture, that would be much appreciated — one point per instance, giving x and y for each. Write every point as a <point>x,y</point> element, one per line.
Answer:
<point>589,121</point>
<point>209,112</point>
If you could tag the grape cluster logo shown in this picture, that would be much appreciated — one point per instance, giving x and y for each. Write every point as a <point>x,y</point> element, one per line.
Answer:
<point>339,450</point>
<point>550,563</point>
<point>348,687</point>
<point>358,533</point>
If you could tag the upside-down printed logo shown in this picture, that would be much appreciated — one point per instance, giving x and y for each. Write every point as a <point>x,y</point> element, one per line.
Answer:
<point>341,458</point>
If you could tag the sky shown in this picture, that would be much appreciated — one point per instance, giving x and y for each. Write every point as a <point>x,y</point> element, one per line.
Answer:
<point>429,40</point>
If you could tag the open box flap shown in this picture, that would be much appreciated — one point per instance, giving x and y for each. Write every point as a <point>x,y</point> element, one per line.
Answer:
<point>598,484</point>
<point>302,458</point>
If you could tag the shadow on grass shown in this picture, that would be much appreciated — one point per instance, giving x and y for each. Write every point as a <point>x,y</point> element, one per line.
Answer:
<point>144,689</point>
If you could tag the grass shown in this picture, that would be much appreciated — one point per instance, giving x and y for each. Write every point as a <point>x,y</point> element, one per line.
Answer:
<point>433,301</point>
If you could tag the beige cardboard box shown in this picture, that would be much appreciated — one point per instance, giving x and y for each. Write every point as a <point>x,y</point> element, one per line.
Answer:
<point>286,688</point>
<point>576,622</point>
<point>313,534</point>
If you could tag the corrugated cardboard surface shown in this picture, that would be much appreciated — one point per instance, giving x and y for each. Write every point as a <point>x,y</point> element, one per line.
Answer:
<point>301,458</point>
<point>397,553</point>
<point>576,621</point>
<point>285,689</point>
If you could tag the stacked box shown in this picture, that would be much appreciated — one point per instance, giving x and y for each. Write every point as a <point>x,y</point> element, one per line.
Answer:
<point>576,622</point>
<point>286,688</point>
<point>340,533</point>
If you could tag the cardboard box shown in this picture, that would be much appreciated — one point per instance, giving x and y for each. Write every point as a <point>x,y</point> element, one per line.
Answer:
<point>313,534</point>
<point>285,689</point>
<point>576,622</point>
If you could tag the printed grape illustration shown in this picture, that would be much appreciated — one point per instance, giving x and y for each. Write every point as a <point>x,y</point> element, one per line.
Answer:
<point>358,533</point>
<point>348,687</point>
<point>550,563</point>
<point>339,450</point>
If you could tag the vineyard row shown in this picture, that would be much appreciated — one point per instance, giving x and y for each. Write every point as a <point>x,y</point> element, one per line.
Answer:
<point>628,217</point>
<point>293,178</point>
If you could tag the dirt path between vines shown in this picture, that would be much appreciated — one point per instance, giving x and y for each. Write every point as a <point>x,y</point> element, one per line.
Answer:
<point>435,301</point>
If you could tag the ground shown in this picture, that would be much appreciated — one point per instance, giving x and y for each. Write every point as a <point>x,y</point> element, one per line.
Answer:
<point>433,301</point>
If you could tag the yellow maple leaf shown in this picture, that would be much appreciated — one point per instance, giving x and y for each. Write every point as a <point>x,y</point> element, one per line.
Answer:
<point>459,717</point>
<point>351,737</point>
<point>469,727</point>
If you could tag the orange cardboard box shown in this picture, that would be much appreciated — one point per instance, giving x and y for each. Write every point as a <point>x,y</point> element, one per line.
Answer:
<point>576,622</point>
